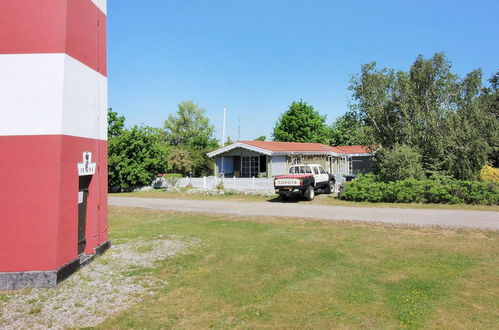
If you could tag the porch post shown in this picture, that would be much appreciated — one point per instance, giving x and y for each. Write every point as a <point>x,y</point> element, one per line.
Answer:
<point>269,166</point>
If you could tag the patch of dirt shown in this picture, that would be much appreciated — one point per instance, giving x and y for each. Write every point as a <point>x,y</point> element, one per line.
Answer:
<point>110,284</point>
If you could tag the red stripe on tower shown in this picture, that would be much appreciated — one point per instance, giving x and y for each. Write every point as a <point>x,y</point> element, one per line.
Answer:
<point>76,28</point>
<point>53,138</point>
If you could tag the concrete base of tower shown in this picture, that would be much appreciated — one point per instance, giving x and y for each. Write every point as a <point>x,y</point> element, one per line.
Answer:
<point>48,279</point>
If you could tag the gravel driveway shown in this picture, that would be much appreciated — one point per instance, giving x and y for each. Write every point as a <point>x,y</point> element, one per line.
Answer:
<point>105,287</point>
<point>447,218</point>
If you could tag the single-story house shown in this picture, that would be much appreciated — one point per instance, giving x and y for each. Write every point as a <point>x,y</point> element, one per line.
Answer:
<point>266,159</point>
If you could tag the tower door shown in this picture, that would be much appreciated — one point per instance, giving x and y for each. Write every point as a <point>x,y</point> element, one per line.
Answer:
<point>82,212</point>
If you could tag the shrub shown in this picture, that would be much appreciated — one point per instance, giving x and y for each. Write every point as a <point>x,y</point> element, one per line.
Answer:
<point>172,179</point>
<point>434,190</point>
<point>489,174</point>
<point>136,156</point>
<point>408,191</point>
<point>398,163</point>
<point>179,160</point>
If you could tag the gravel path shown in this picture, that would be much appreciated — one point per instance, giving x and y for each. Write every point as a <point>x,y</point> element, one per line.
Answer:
<point>105,287</point>
<point>447,218</point>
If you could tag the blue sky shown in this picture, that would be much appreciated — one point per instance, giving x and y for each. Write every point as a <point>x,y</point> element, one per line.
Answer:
<point>256,57</point>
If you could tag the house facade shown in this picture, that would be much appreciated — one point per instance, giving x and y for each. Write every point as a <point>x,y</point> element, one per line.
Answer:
<point>267,159</point>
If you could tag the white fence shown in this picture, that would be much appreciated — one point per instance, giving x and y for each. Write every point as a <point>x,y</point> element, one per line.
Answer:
<point>211,182</point>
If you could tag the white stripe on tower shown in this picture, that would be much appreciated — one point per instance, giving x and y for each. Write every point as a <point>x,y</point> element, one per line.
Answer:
<point>51,94</point>
<point>101,4</point>
<point>85,101</point>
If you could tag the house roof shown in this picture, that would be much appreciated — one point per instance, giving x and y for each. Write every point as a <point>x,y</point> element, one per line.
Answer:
<point>289,146</point>
<point>352,150</point>
<point>270,148</point>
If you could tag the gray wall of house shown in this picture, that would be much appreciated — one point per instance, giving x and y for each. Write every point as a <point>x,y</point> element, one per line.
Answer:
<point>278,165</point>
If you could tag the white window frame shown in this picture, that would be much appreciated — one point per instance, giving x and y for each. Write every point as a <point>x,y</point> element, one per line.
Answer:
<point>251,166</point>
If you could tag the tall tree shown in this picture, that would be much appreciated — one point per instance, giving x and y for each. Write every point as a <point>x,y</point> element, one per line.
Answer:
<point>115,123</point>
<point>301,123</point>
<point>490,104</point>
<point>261,138</point>
<point>430,109</point>
<point>189,127</point>
<point>347,130</point>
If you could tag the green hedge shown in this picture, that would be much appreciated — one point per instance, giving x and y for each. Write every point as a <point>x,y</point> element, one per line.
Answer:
<point>367,188</point>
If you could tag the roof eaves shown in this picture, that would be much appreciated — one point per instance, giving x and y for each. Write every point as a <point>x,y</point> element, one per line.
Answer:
<point>355,155</point>
<point>238,145</point>
<point>330,153</point>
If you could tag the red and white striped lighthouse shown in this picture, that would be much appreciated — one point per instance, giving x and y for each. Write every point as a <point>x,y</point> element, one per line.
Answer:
<point>53,138</point>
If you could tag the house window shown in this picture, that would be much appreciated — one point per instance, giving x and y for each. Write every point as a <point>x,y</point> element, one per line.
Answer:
<point>250,166</point>
<point>297,160</point>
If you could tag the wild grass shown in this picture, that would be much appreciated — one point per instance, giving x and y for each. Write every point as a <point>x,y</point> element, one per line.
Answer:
<point>295,274</point>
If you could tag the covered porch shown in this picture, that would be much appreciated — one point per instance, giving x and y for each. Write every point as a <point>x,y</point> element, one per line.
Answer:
<point>242,166</point>
<point>242,161</point>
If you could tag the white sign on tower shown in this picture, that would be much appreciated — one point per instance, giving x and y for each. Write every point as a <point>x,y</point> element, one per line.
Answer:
<point>86,167</point>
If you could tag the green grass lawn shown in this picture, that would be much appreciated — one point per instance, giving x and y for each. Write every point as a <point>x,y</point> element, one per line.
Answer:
<point>321,199</point>
<point>296,274</point>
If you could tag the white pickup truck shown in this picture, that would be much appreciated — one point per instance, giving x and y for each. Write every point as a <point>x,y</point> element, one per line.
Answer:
<point>304,180</point>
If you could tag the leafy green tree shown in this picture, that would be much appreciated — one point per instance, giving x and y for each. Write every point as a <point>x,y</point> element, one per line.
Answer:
<point>136,156</point>
<point>301,123</point>
<point>202,165</point>
<point>490,104</point>
<point>494,81</point>
<point>115,123</point>
<point>190,130</point>
<point>398,163</point>
<point>347,130</point>
<point>179,161</point>
<point>261,138</point>
<point>189,127</point>
<point>430,109</point>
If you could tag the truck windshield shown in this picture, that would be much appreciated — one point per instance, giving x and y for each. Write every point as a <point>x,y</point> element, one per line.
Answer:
<point>300,170</point>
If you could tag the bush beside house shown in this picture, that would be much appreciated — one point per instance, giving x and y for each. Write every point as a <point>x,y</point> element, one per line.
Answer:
<point>367,188</point>
<point>489,174</point>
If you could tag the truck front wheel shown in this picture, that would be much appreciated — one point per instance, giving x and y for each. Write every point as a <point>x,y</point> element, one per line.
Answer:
<point>330,187</point>
<point>309,194</point>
